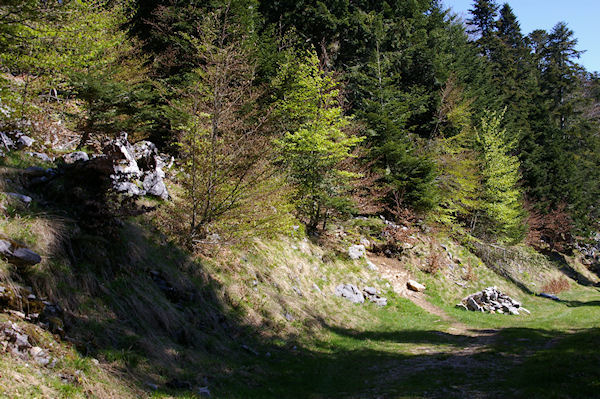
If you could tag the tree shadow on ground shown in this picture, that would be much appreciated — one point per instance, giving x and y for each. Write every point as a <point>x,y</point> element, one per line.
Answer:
<point>576,304</point>
<point>568,270</point>
<point>516,362</point>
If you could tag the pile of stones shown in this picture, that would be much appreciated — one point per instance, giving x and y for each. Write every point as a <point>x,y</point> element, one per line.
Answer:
<point>492,300</point>
<point>355,295</point>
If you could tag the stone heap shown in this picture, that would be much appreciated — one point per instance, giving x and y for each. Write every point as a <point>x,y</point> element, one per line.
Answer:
<point>492,300</point>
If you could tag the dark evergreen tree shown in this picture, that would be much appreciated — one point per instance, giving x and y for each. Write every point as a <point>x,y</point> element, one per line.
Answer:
<point>482,24</point>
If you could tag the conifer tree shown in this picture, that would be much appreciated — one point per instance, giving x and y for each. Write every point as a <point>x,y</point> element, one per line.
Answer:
<point>483,24</point>
<point>502,197</point>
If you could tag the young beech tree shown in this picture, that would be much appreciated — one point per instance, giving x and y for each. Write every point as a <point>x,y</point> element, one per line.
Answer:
<point>502,197</point>
<point>315,140</point>
<point>222,145</point>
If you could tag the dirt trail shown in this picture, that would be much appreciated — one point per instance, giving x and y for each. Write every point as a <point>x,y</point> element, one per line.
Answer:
<point>393,270</point>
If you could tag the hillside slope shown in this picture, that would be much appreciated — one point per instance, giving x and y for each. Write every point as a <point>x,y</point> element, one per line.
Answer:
<point>144,318</point>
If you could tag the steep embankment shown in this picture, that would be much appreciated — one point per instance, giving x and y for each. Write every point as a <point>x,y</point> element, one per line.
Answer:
<point>141,317</point>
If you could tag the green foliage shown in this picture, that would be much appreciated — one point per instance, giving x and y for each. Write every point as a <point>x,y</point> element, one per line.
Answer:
<point>222,135</point>
<point>315,141</point>
<point>502,196</point>
<point>457,156</point>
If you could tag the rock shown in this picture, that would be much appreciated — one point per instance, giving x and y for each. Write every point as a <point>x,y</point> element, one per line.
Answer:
<point>370,290</point>
<point>21,197</point>
<point>35,171</point>
<point>371,265</point>
<point>127,188</point>
<point>372,295</point>
<point>146,155</point>
<point>120,153</point>
<point>379,301</point>
<point>473,305</point>
<point>415,286</point>
<point>5,248</point>
<point>25,257</point>
<point>40,156</point>
<point>154,185</point>
<point>39,356</point>
<point>21,341</point>
<point>24,141</point>
<point>350,292</point>
<point>356,251</point>
<point>365,242</point>
<point>77,156</point>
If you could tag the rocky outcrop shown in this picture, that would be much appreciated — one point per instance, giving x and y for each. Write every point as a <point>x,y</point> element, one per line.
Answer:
<point>350,292</point>
<point>356,251</point>
<point>131,169</point>
<point>18,256</point>
<point>137,169</point>
<point>492,300</point>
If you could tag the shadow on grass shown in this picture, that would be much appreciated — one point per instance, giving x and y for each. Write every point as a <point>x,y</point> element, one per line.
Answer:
<point>568,270</point>
<point>576,304</point>
<point>516,362</point>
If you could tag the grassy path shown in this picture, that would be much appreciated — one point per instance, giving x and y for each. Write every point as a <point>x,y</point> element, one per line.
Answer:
<point>419,349</point>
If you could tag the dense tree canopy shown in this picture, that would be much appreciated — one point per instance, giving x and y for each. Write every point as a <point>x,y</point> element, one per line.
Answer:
<point>423,90</point>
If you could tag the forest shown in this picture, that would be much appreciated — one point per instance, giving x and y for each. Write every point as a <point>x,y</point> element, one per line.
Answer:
<point>355,107</point>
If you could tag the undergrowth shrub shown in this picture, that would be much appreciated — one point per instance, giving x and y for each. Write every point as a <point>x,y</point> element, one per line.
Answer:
<point>551,230</point>
<point>435,259</point>
<point>556,285</point>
